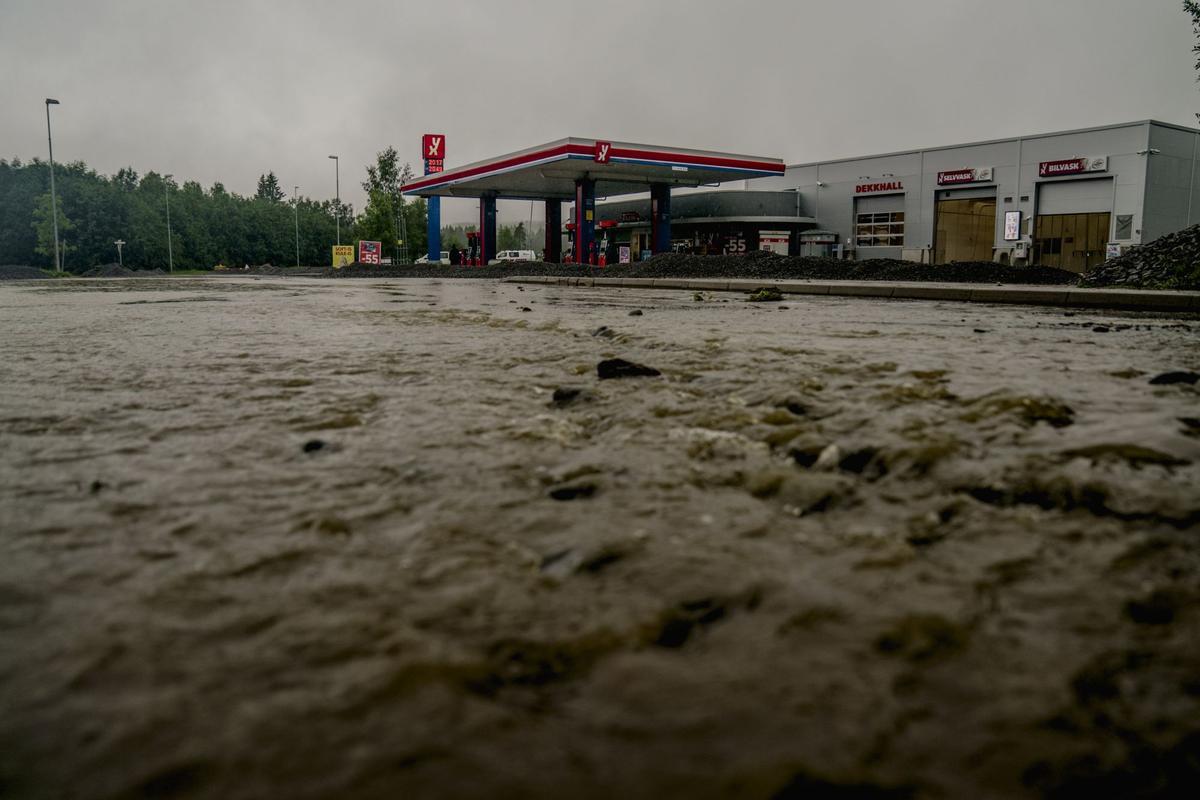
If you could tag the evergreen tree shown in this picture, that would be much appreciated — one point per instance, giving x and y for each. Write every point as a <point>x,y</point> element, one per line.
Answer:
<point>268,188</point>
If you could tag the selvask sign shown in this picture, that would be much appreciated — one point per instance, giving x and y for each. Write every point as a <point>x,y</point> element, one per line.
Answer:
<point>1072,166</point>
<point>966,175</point>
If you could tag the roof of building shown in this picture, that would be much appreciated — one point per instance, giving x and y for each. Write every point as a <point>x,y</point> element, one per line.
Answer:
<point>549,171</point>
<point>1047,135</point>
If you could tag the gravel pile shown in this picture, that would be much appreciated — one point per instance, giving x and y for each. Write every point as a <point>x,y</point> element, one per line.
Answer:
<point>763,266</point>
<point>14,272</point>
<point>1171,262</point>
<point>117,271</point>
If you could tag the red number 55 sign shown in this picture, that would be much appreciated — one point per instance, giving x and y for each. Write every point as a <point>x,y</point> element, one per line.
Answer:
<point>433,145</point>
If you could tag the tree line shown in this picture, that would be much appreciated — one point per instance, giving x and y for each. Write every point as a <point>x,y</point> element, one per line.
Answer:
<point>208,226</point>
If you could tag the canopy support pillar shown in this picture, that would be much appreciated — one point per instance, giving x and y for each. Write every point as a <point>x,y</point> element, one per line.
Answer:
<point>487,228</point>
<point>660,218</point>
<point>585,219</point>
<point>553,253</point>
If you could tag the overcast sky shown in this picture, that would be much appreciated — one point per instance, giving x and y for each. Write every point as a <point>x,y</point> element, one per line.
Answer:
<point>223,91</point>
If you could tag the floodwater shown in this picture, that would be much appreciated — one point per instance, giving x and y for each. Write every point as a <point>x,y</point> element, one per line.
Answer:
<point>284,538</point>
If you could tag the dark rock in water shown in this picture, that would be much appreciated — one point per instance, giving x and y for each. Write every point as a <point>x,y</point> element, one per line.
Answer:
<point>526,308</point>
<point>1101,329</point>
<point>97,487</point>
<point>564,493</point>
<point>620,368</point>
<point>313,445</point>
<point>982,330</point>
<point>605,332</point>
<point>637,312</point>
<point>566,395</point>
<point>1173,378</point>
<point>1158,608</point>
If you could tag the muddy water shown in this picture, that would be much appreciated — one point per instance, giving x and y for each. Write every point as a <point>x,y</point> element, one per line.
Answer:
<point>270,538</point>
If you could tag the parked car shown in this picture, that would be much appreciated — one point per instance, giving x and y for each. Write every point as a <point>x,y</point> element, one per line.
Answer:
<point>425,258</point>
<point>508,256</point>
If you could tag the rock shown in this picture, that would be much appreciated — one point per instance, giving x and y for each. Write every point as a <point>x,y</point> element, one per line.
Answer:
<point>620,368</point>
<point>605,332</point>
<point>1174,378</point>
<point>567,395</point>
<point>574,492</point>
<point>1101,329</point>
<point>637,312</point>
<point>982,330</point>
<point>829,458</point>
<point>313,445</point>
<point>526,308</point>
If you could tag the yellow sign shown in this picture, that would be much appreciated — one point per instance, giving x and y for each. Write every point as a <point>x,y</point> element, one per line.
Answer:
<point>343,255</point>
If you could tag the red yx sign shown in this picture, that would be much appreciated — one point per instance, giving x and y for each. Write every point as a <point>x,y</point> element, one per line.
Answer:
<point>603,152</point>
<point>433,145</point>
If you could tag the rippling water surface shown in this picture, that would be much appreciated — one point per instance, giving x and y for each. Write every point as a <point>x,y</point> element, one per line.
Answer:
<point>326,539</point>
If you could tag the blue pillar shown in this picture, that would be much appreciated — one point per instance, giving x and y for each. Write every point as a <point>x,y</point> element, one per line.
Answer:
<point>660,218</point>
<point>553,231</point>
<point>434,206</point>
<point>585,218</point>
<point>487,228</point>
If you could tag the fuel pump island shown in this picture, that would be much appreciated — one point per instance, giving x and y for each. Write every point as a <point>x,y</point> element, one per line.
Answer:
<point>574,169</point>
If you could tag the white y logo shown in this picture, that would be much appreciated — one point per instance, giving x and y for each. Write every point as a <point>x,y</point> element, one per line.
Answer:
<point>435,145</point>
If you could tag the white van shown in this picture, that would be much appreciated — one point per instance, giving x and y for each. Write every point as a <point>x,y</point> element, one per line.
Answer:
<point>506,256</point>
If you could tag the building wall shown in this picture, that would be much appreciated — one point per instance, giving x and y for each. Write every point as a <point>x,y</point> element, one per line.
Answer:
<point>1156,190</point>
<point>1171,203</point>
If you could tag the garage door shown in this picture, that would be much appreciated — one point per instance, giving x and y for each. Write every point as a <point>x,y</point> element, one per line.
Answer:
<point>966,226</point>
<point>1075,197</point>
<point>1072,227</point>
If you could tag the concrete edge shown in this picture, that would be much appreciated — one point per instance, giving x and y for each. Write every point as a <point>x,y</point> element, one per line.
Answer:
<point>1123,299</point>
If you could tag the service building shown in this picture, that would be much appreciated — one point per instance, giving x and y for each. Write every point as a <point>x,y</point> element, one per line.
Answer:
<point>1067,199</point>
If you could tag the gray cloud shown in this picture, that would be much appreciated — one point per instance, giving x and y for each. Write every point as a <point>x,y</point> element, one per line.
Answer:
<point>226,90</point>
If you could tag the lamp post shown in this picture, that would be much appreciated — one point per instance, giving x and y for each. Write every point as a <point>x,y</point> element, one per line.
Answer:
<point>120,259</point>
<point>50,101</point>
<point>296,207</point>
<point>167,195</point>
<point>337,187</point>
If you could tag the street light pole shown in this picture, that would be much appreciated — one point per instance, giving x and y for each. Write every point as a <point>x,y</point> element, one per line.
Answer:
<point>337,184</point>
<point>50,101</point>
<point>167,194</point>
<point>296,206</point>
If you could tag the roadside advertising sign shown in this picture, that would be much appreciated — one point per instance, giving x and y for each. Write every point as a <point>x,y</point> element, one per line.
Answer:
<point>369,252</point>
<point>602,153</point>
<point>623,254</point>
<point>343,255</point>
<point>1012,226</point>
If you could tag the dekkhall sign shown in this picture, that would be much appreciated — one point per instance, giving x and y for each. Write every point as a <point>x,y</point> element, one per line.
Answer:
<point>1072,166</point>
<point>875,188</point>
<point>968,175</point>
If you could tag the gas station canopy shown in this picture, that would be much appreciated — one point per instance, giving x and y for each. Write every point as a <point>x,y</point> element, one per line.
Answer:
<point>552,171</point>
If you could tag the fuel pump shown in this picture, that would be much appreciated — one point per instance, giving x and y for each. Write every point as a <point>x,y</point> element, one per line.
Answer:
<point>472,255</point>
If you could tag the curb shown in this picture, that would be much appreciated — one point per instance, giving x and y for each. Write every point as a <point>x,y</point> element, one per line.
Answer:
<point>1067,297</point>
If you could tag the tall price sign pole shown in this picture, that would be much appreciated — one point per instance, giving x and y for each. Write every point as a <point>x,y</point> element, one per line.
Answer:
<point>433,149</point>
